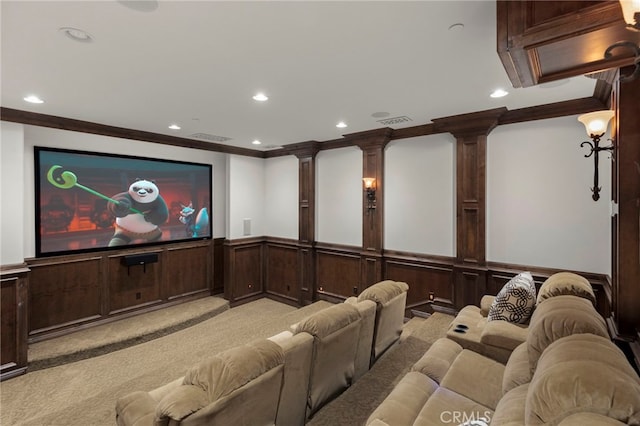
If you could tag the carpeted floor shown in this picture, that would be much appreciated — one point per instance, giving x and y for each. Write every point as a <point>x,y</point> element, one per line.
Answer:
<point>84,392</point>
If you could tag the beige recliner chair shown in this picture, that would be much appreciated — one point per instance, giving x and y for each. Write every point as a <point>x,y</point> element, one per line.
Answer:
<point>336,335</point>
<point>498,338</point>
<point>390,298</point>
<point>240,386</point>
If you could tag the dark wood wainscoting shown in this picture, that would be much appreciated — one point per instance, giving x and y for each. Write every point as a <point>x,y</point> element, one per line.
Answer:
<point>338,272</point>
<point>282,276</point>
<point>430,279</point>
<point>14,294</point>
<point>244,270</point>
<point>69,292</point>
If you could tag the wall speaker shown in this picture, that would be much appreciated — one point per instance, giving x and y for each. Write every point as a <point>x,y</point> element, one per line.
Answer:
<point>139,259</point>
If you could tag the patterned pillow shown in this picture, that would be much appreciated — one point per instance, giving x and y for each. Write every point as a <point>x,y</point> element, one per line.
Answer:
<point>515,302</point>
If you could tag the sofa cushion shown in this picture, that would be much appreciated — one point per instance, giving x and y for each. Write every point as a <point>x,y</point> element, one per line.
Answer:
<point>405,401</point>
<point>511,408</point>
<point>438,359</point>
<point>517,370</point>
<point>558,317</point>
<point>583,373</point>
<point>446,407</point>
<point>329,320</point>
<point>383,291</point>
<point>566,283</point>
<point>476,377</point>
<point>233,368</point>
<point>515,301</point>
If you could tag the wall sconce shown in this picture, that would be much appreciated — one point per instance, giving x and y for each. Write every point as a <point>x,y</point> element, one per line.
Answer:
<point>370,189</point>
<point>596,124</point>
<point>631,13</point>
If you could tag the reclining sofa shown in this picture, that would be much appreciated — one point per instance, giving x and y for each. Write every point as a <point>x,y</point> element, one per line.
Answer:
<point>567,372</point>
<point>283,380</point>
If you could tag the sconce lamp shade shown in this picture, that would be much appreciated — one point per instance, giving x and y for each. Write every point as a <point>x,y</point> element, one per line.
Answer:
<point>369,183</point>
<point>596,122</point>
<point>629,10</point>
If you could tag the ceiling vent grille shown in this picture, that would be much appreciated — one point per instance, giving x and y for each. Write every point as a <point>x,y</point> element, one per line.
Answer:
<point>394,120</point>
<point>210,138</point>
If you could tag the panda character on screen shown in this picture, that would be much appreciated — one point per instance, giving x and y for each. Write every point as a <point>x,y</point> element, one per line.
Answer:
<point>138,212</point>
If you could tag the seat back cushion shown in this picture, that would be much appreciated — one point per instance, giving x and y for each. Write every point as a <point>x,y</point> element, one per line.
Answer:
<point>328,321</point>
<point>515,301</point>
<point>517,370</point>
<point>566,283</point>
<point>583,373</point>
<point>558,317</point>
<point>227,371</point>
<point>389,322</point>
<point>336,331</point>
<point>383,291</point>
<point>255,403</point>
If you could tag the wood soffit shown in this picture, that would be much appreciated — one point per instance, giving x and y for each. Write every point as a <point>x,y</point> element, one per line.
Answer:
<point>458,124</point>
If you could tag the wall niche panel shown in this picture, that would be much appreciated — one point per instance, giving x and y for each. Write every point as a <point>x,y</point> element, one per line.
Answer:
<point>186,271</point>
<point>133,286</point>
<point>424,279</point>
<point>243,269</point>
<point>64,292</point>
<point>337,273</point>
<point>282,272</point>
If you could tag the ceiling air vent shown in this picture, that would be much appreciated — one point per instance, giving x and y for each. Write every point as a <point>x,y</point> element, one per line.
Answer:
<point>210,138</point>
<point>394,120</point>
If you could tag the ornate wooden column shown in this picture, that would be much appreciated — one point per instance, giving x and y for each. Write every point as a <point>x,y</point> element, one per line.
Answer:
<point>470,131</point>
<point>625,316</point>
<point>372,144</point>
<point>306,219</point>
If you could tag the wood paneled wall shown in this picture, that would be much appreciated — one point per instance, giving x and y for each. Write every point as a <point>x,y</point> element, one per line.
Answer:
<point>434,282</point>
<point>71,292</point>
<point>14,294</point>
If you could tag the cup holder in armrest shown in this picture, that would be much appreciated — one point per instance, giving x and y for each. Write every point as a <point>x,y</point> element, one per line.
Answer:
<point>461,328</point>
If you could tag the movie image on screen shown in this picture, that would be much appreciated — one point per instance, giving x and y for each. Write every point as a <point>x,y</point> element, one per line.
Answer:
<point>87,201</point>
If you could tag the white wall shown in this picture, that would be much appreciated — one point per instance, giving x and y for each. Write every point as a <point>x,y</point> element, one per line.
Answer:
<point>539,206</point>
<point>13,210</point>
<point>281,197</point>
<point>245,196</point>
<point>55,138</point>
<point>339,196</point>
<point>419,214</point>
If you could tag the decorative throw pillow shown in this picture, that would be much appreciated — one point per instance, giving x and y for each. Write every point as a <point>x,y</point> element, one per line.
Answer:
<point>516,300</point>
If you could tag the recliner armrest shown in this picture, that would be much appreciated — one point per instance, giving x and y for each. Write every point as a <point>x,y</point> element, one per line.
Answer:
<point>485,304</point>
<point>503,334</point>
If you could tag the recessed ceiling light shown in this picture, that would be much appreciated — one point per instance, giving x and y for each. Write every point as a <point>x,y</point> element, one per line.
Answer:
<point>174,127</point>
<point>341,125</point>
<point>33,99</point>
<point>76,34</point>
<point>261,97</point>
<point>256,142</point>
<point>499,93</point>
<point>456,26</point>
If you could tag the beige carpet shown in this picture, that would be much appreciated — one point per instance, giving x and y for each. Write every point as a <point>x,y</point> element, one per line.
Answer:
<point>83,393</point>
<point>121,334</point>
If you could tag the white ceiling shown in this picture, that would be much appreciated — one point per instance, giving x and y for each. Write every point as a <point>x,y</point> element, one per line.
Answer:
<point>198,64</point>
